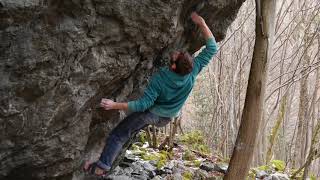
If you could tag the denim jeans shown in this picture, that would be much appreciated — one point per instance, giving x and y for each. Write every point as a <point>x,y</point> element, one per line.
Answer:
<point>123,131</point>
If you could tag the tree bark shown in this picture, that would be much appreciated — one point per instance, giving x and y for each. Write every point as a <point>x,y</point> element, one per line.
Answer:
<point>312,117</point>
<point>252,112</point>
<point>275,130</point>
<point>314,150</point>
<point>302,120</point>
<point>154,137</point>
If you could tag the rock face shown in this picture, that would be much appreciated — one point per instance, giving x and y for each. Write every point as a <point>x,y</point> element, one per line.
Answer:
<point>58,58</point>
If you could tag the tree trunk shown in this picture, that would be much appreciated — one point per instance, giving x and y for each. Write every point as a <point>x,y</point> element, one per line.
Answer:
<point>299,152</point>
<point>274,131</point>
<point>148,135</point>
<point>154,137</point>
<point>302,120</point>
<point>312,117</point>
<point>314,150</point>
<point>252,112</point>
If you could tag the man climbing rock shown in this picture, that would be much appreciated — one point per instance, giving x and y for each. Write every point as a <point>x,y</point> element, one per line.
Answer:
<point>162,99</point>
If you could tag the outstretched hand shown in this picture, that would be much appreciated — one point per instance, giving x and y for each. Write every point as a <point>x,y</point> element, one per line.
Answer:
<point>107,104</point>
<point>198,20</point>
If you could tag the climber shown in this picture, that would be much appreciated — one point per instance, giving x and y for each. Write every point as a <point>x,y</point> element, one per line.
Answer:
<point>162,100</point>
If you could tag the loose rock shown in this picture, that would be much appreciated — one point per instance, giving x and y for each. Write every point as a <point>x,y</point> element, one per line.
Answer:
<point>208,166</point>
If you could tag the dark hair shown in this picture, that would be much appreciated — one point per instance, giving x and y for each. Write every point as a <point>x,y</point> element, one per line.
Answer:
<point>184,63</point>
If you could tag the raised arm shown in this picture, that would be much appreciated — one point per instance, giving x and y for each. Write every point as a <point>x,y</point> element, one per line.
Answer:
<point>206,54</point>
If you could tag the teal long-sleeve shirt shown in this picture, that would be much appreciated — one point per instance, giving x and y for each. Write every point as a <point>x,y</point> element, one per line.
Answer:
<point>167,91</point>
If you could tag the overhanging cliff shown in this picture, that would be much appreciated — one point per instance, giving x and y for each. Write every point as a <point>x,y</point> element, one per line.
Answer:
<point>58,58</point>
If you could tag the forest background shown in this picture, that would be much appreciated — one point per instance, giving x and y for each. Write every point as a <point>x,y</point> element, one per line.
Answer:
<point>290,126</point>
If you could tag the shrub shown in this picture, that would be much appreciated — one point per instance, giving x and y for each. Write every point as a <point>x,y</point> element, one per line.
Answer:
<point>195,141</point>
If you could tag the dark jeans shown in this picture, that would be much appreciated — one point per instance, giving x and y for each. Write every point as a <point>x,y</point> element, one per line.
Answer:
<point>123,131</point>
